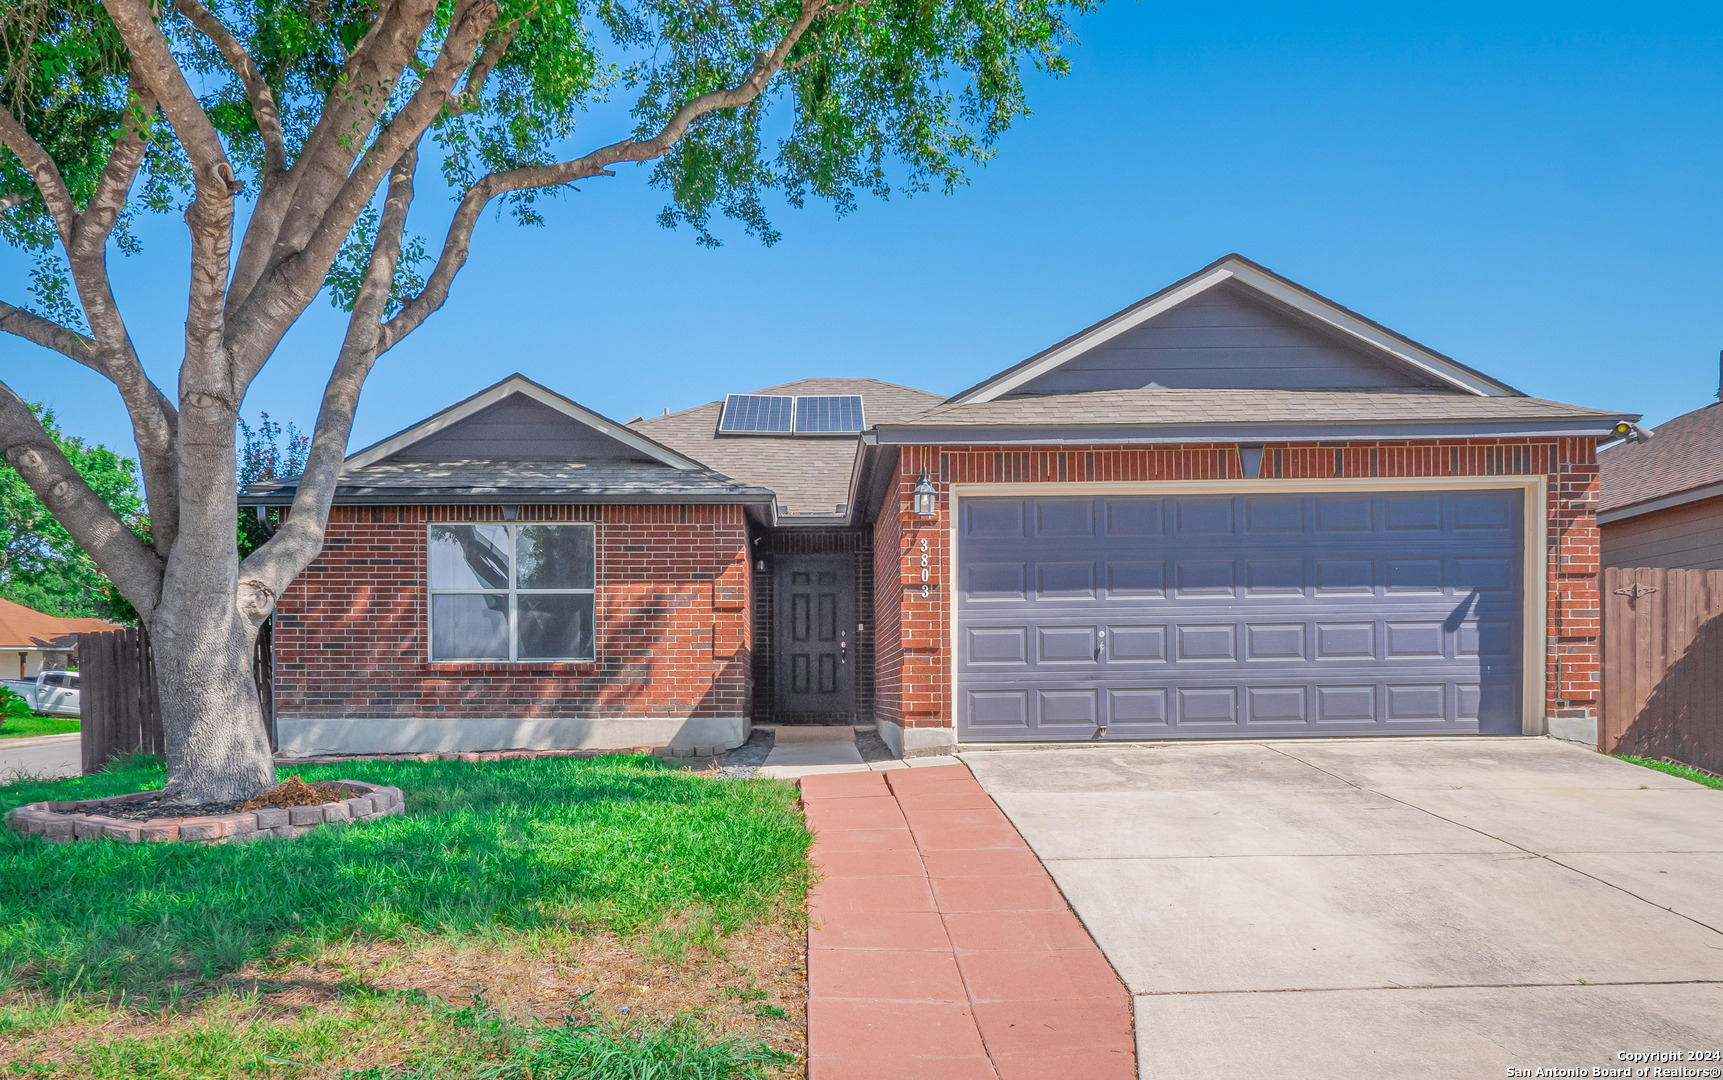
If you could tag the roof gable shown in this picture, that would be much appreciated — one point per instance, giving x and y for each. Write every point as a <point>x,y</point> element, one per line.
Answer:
<point>1235,325</point>
<point>518,420</point>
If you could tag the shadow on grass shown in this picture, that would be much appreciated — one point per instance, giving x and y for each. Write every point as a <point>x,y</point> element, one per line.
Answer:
<point>609,843</point>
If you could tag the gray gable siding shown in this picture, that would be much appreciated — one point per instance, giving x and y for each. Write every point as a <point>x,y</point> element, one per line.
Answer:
<point>1222,340</point>
<point>518,428</point>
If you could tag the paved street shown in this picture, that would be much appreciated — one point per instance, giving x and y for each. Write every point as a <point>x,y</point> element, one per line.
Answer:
<point>1377,907</point>
<point>51,756</point>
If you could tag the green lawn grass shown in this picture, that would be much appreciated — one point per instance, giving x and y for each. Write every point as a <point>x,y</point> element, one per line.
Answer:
<point>1686,772</point>
<point>486,851</point>
<point>18,727</point>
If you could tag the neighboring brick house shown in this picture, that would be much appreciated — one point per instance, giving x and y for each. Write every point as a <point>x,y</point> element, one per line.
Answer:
<point>1662,498</point>
<point>1234,509</point>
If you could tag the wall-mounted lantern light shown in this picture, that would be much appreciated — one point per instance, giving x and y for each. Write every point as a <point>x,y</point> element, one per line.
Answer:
<point>926,499</point>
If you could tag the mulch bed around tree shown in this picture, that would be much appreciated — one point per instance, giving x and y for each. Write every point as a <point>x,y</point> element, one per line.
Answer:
<point>149,806</point>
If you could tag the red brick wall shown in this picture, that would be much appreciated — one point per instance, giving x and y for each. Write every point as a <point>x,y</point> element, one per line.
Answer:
<point>914,677</point>
<point>672,629</point>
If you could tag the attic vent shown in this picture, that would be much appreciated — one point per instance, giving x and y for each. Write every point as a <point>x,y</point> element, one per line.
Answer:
<point>782,414</point>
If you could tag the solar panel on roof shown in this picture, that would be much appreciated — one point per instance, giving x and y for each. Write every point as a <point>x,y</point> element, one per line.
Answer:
<point>769,414</point>
<point>829,414</point>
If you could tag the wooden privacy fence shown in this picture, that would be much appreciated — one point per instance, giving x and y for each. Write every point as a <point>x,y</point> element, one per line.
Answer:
<point>1663,664</point>
<point>119,711</point>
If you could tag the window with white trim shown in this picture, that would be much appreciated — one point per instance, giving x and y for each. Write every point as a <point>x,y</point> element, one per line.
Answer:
<point>512,592</point>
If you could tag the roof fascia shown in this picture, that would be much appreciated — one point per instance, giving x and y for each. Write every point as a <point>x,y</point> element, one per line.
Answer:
<point>1323,311</point>
<point>1665,502</point>
<point>518,384</point>
<point>1122,434</point>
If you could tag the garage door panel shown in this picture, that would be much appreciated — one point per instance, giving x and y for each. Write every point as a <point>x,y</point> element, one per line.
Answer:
<point>1205,615</point>
<point>1127,644</point>
<point>988,582</point>
<point>1064,580</point>
<point>1068,645</point>
<point>1277,705</point>
<point>1201,706</point>
<point>1064,518</point>
<point>1064,708</point>
<point>996,645</point>
<point>1135,579</point>
<point>1274,641</point>
<point>1130,517</point>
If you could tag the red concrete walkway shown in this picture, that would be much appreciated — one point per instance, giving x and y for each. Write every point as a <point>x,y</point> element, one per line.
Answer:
<point>938,946</point>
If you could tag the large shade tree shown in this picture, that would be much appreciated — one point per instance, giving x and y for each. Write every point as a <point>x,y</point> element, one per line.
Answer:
<point>290,135</point>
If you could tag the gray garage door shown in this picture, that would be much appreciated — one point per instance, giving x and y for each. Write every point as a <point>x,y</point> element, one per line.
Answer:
<point>1249,616</point>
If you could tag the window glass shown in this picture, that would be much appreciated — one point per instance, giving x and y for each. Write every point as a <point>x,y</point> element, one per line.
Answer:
<point>470,626</point>
<point>51,678</point>
<point>553,557</point>
<point>469,557</point>
<point>554,625</point>
<point>512,592</point>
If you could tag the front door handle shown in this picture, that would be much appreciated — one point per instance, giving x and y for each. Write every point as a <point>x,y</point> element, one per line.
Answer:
<point>1100,643</point>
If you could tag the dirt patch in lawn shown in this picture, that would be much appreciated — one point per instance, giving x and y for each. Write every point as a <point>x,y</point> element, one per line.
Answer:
<point>750,986</point>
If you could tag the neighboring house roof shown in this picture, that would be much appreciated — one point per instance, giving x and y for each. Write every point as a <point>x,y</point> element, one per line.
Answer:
<point>1235,273</point>
<point>1160,414</point>
<point>811,475</point>
<point>27,628</point>
<point>518,440</point>
<point>1682,462</point>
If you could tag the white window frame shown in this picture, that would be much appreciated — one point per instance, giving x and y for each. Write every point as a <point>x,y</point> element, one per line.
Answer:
<point>513,592</point>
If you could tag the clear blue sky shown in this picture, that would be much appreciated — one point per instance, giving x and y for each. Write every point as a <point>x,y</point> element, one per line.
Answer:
<point>1536,190</point>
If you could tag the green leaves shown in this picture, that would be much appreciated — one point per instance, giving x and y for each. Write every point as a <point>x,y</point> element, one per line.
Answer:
<point>877,96</point>
<point>40,565</point>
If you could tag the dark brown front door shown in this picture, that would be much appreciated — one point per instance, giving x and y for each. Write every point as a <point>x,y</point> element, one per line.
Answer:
<point>815,635</point>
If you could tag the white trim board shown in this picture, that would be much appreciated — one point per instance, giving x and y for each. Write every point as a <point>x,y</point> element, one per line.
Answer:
<point>1234,268</point>
<point>1534,558</point>
<point>517,384</point>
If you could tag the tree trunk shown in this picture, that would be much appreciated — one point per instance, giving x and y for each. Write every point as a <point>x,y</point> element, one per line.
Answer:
<point>212,722</point>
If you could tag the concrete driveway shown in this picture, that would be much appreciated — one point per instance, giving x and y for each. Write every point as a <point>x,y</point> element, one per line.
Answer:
<point>1385,907</point>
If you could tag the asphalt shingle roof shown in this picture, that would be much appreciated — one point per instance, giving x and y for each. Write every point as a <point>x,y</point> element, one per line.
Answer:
<point>27,628</point>
<point>1682,454</point>
<point>559,479</point>
<point>1162,406</point>
<point>810,474</point>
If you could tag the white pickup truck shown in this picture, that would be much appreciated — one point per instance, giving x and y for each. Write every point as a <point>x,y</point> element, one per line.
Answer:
<point>55,693</point>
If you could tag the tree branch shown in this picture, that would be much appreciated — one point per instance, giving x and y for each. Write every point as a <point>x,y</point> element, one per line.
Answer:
<point>459,239</point>
<point>49,334</point>
<point>288,211</point>
<point>42,169</point>
<point>110,351</point>
<point>266,572</point>
<point>262,98</point>
<point>294,282</point>
<point>132,567</point>
<point>96,222</point>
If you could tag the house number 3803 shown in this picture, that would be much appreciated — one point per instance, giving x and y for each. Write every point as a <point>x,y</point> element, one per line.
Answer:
<point>925,588</point>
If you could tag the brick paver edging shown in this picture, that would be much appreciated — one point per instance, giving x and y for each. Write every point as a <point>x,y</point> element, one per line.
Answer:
<point>939,946</point>
<point>51,821</point>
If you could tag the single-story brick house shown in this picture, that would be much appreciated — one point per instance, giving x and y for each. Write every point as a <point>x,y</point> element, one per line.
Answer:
<point>1233,509</point>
